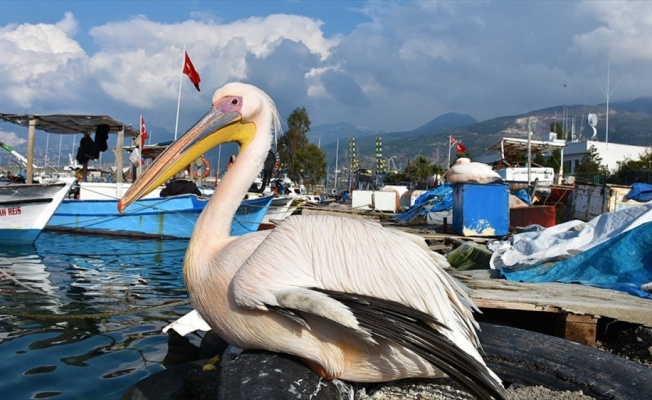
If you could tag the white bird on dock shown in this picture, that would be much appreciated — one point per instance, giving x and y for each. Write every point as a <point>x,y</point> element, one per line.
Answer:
<point>350,298</point>
<point>465,171</point>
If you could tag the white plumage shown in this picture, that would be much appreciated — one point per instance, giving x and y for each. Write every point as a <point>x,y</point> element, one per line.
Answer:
<point>352,299</point>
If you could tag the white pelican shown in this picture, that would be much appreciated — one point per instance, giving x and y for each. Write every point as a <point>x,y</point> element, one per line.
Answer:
<point>466,171</point>
<point>350,298</point>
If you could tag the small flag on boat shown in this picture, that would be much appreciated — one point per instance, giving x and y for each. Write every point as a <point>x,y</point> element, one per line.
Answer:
<point>192,73</point>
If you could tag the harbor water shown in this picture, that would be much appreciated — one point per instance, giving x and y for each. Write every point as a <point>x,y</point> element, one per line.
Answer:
<point>81,316</point>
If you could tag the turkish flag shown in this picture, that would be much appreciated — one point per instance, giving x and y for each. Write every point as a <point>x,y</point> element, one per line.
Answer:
<point>192,73</point>
<point>460,147</point>
<point>143,132</point>
<point>453,140</point>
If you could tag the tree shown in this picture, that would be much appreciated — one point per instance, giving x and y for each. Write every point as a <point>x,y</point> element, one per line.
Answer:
<point>302,160</point>
<point>293,142</point>
<point>421,169</point>
<point>630,171</point>
<point>591,164</point>
<point>557,128</point>
<point>313,162</point>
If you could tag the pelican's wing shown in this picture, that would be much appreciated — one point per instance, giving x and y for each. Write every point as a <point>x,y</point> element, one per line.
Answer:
<point>311,253</point>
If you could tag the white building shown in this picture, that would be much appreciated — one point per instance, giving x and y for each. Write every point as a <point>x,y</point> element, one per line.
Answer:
<point>572,152</point>
<point>611,154</point>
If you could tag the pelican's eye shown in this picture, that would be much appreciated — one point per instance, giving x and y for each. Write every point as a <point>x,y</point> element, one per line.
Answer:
<point>234,102</point>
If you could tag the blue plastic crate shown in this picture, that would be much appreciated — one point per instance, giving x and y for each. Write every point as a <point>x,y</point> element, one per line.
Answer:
<point>481,210</point>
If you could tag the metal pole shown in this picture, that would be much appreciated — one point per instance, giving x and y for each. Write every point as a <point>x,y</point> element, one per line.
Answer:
<point>29,170</point>
<point>176,125</point>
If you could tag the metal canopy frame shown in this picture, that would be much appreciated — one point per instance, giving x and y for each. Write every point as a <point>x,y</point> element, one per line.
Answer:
<point>529,147</point>
<point>70,124</point>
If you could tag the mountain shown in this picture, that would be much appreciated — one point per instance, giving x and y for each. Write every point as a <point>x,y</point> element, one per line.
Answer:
<point>444,122</point>
<point>642,104</point>
<point>330,133</point>
<point>629,123</point>
<point>625,127</point>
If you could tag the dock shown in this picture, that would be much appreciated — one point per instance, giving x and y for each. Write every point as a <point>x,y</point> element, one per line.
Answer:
<point>576,309</point>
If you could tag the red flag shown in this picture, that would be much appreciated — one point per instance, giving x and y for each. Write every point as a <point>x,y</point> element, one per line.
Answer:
<point>143,132</point>
<point>460,147</point>
<point>192,73</point>
<point>453,140</point>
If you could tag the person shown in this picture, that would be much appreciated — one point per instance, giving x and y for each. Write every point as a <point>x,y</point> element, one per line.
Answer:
<point>75,187</point>
<point>180,185</point>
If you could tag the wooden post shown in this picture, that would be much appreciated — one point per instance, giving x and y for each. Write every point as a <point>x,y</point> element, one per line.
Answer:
<point>119,153</point>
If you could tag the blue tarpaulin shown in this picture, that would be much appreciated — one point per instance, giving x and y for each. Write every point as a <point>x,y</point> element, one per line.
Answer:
<point>437,199</point>
<point>622,263</point>
<point>640,192</point>
<point>613,251</point>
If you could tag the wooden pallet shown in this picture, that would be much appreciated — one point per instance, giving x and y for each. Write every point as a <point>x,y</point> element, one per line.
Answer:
<point>576,308</point>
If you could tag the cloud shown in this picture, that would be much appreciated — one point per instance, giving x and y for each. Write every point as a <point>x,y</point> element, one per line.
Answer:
<point>401,65</point>
<point>10,139</point>
<point>39,61</point>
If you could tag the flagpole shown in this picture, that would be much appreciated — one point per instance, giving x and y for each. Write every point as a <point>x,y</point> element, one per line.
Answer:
<point>450,139</point>
<point>176,125</point>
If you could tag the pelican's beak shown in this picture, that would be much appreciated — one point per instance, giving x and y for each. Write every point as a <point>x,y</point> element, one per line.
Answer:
<point>211,130</point>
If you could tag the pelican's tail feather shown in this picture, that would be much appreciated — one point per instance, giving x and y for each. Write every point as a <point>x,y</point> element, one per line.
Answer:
<point>414,330</point>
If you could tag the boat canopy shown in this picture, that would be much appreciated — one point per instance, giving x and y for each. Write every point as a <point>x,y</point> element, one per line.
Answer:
<point>520,146</point>
<point>69,124</point>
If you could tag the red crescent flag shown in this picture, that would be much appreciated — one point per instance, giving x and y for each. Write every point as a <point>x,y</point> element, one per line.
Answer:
<point>460,147</point>
<point>192,73</point>
<point>143,132</point>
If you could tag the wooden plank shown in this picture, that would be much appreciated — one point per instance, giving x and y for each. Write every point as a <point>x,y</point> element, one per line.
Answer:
<point>578,328</point>
<point>567,298</point>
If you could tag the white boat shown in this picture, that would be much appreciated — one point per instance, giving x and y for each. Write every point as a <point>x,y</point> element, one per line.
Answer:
<point>25,209</point>
<point>280,208</point>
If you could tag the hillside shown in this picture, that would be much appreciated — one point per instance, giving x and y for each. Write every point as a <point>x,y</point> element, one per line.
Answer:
<point>627,127</point>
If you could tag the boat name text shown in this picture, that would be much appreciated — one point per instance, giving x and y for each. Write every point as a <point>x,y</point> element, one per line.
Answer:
<point>9,211</point>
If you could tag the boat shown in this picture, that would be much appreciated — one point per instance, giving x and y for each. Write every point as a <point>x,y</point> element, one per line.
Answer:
<point>163,217</point>
<point>25,210</point>
<point>280,208</point>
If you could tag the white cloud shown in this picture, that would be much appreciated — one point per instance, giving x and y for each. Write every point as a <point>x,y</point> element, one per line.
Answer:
<point>10,139</point>
<point>406,64</point>
<point>38,61</point>
<point>624,31</point>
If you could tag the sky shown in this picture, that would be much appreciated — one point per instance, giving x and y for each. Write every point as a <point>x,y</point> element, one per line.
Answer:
<point>386,65</point>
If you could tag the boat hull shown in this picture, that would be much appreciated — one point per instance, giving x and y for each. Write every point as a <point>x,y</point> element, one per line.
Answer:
<point>163,217</point>
<point>26,209</point>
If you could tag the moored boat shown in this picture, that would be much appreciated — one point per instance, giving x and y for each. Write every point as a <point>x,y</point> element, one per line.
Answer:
<point>162,217</point>
<point>26,209</point>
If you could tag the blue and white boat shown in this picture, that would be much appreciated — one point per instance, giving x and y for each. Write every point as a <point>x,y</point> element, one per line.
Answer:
<point>163,217</point>
<point>26,209</point>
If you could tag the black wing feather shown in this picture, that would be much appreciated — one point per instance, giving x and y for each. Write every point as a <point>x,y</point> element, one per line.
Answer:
<point>409,328</point>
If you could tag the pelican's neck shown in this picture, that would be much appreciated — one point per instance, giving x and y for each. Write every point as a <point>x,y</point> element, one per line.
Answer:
<point>215,220</point>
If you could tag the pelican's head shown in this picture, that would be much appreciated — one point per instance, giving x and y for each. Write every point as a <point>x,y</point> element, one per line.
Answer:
<point>236,111</point>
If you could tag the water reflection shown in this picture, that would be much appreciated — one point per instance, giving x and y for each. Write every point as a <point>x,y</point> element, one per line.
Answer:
<point>82,316</point>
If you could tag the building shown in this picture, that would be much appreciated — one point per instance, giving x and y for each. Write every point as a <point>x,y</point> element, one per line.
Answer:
<point>612,154</point>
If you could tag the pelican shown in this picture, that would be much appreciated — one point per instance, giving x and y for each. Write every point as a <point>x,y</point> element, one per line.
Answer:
<point>351,299</point>
<point>466,171</point>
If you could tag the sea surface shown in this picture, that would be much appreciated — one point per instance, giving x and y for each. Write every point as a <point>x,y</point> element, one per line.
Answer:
<point>81,316</point>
